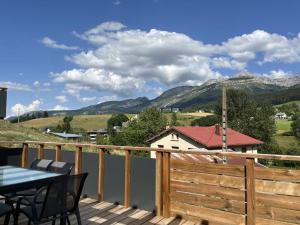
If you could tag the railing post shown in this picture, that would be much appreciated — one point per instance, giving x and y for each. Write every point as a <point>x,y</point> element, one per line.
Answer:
<point>58,153</point>
<point>101,175</point>
<point>25,155</point>
<point>127,187</point>
<point>158,184</point>
<point>166,184</point>
<point>250,191</point>
<point>78,159</point>
<point>40,154</point>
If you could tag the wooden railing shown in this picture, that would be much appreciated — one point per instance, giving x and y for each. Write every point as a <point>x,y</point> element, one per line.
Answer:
<point>226,194</point>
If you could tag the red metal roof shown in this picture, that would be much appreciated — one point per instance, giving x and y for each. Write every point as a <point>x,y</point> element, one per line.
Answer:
<point>208,136</point>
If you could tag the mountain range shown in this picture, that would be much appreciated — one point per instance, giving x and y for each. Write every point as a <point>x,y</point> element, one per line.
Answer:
<point>261,88</point>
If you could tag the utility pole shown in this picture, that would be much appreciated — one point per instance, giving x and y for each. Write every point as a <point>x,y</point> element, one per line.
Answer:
<point>224,122</point>
<point>18,115</point>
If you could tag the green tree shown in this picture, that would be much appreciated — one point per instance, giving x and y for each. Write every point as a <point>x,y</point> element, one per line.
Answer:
<point>116,120</point>
<point>245,116</point>
<point>173,121</point>
<point>207,121</point>
<point>150,122</point>
<point>65,126</point>
<point>296,125</point>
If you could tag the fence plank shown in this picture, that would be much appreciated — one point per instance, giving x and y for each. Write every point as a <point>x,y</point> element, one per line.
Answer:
<point>211,168</point>
<point>25,155</point>
<point>250,191</point>
<point>211,190</point>
<point>40,153</point>
<point>58,152</point>
<point>206,215</point>
<point>158,184</point>
<point>78,160</point>
<point>212,179</point>
<point>166,184</point>
<point>101,175</point>
<point>127,187</point>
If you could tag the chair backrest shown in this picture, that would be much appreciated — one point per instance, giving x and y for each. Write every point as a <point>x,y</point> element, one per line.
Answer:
<point>41,164</point>
<point>61,167</point>
<point>63,195</point>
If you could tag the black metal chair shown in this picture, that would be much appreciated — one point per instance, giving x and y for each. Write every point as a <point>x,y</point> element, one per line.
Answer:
<point>41,164</point>
<point>58,200</point>
<point>5,210</point>
<point>61,167</point>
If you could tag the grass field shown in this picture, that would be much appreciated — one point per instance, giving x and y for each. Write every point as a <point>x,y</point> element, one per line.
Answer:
<point>283,126</point>
<point>92,122</point>
<point>291,102</point>
<point>14,132</point>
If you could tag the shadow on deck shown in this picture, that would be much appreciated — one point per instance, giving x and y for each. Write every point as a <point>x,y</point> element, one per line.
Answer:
<point>93,212</point>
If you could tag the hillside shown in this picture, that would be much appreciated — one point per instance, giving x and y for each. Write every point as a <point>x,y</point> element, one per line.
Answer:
<point>92,122</point>
<point>14,132</point>
<point>262,89</point>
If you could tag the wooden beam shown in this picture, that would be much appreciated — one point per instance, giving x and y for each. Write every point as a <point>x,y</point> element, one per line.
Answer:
<point>250,191</point>
<point>166,184</point>
<point>101,175</point>
<point>127,187</point>
<point>41,151</point>
<point>158,184</point>
<point>25,155</point>
<point>58,153</point>
<point>78,160</point>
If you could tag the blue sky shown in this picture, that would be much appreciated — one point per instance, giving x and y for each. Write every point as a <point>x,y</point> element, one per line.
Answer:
<point>70,54</point>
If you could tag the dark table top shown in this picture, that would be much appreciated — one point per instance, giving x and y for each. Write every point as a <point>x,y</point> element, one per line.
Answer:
<point>14,179</point>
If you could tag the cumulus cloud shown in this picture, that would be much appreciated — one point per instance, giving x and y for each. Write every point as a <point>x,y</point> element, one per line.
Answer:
<point>107,98</point>
<point>277,74</point>
<point>59,108</point>
<point>61,98</point>
<point>19,109</point>
<point>125,61</point>
<point>15,86</point>
<point>50,43</point>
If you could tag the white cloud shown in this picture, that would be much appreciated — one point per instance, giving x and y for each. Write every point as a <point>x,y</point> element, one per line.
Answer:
<point>50,43</point>
<point>125,61</point>
<point>59,108</point>
<point>15,86</point>
<point>21,109</point>
<point>46,84</point>
<point>61,98</point>
<point>277,74</point>
<point>36,83</point>
<point>96,79</point>
<point>117,2</point>
<point>107,98</point>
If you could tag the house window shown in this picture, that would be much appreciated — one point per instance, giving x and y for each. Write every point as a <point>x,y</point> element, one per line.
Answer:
<point>160,146</point>
<point>175,147</point>
<point>244,149</point>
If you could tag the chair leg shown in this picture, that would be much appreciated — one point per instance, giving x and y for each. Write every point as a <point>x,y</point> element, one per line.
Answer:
<point>77,213</point>
<point>7,218</point>
<point>54,220</point>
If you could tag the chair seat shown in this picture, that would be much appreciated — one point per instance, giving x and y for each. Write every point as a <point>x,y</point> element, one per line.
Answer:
<point>4,209</point>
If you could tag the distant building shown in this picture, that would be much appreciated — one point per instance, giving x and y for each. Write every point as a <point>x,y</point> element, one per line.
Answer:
<point>3,100</point>
<point>67,136</point>
<point>93,134</point>
<point>281,116</point>
<point>202,139</point>
<point>169,109</point>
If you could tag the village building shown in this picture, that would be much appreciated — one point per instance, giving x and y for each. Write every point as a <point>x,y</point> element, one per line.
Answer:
<point>203,139</point>
<point>281,116</point>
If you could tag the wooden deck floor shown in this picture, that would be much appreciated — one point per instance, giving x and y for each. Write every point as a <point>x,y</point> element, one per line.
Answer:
<point>93,213</point>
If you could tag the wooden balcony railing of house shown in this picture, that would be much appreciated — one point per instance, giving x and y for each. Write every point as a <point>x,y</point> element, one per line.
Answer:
<point>207,193</point>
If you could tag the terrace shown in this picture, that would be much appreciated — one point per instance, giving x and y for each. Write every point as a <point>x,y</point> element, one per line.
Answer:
<point>178,191</point>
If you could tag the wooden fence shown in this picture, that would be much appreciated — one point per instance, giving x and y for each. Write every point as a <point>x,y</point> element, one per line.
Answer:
<point>208,193</point>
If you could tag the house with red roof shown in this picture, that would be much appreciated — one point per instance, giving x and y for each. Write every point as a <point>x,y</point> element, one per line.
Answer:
<point>203,139</point>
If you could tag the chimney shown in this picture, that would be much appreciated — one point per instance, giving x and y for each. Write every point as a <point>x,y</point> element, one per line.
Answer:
<point>217,129</point>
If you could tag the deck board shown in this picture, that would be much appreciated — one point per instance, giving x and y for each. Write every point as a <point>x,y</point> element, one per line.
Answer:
<point>95,213</point>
